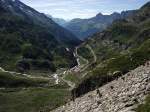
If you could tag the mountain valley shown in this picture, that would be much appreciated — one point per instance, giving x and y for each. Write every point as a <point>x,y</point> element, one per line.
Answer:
<point>44,66</point>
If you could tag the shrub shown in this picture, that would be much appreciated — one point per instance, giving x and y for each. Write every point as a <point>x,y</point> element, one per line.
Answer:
<point>144,107</point>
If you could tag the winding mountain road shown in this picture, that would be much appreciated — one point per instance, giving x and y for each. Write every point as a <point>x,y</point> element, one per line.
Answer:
<point>71,84</point>
<point>65,73</point>
<point>87,62</point>
<point>95,57</point>
<point>80,57</point>
<point>26,75</point>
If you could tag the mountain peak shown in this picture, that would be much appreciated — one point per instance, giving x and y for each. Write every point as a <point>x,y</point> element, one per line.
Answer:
<point>16,7</point>
<point>146,5</point>
<point>99,15</point>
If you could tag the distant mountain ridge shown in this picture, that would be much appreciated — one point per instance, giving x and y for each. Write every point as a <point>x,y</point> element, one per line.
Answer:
<point>22,10</point>
<point>59,21</point>
<point>83,28</point>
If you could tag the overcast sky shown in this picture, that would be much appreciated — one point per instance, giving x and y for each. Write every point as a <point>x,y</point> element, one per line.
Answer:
<point>69,9</point>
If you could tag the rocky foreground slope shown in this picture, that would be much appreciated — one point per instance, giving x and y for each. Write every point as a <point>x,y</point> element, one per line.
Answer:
<point>121,95</point>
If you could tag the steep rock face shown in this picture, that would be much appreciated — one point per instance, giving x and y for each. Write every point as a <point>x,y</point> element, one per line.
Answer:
<point>120,95</point>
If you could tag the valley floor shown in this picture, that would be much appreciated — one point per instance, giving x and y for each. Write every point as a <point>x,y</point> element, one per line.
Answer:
<point>121,95</point>
<point>45,98</point>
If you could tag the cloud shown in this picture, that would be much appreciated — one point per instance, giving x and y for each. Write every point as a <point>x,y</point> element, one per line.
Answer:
<point>69,9</point>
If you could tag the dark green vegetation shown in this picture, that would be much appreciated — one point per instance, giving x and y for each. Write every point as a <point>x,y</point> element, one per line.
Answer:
<point>14,80</point>
<point>144,107</point>
<point>85,53</point>
<point>122,47</point>
<point>30,94</point>
<point>32,42</point>
<point>72,77</point>
<point>32,99</point>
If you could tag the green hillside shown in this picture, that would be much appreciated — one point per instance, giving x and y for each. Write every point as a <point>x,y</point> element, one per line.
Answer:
<point>32,49</point>
<point>26,46</point>
<point>40,53</point>
<point>119,49</point>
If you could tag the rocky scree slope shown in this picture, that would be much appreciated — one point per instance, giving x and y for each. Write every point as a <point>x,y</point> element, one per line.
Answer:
<point>120,48</point>
<point>121,95</point>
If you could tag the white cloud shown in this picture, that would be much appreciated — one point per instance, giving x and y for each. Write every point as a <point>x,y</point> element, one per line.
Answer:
<point>69,9</point>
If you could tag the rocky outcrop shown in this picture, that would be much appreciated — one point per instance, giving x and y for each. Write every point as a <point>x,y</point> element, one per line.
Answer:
<point>120,95</point>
